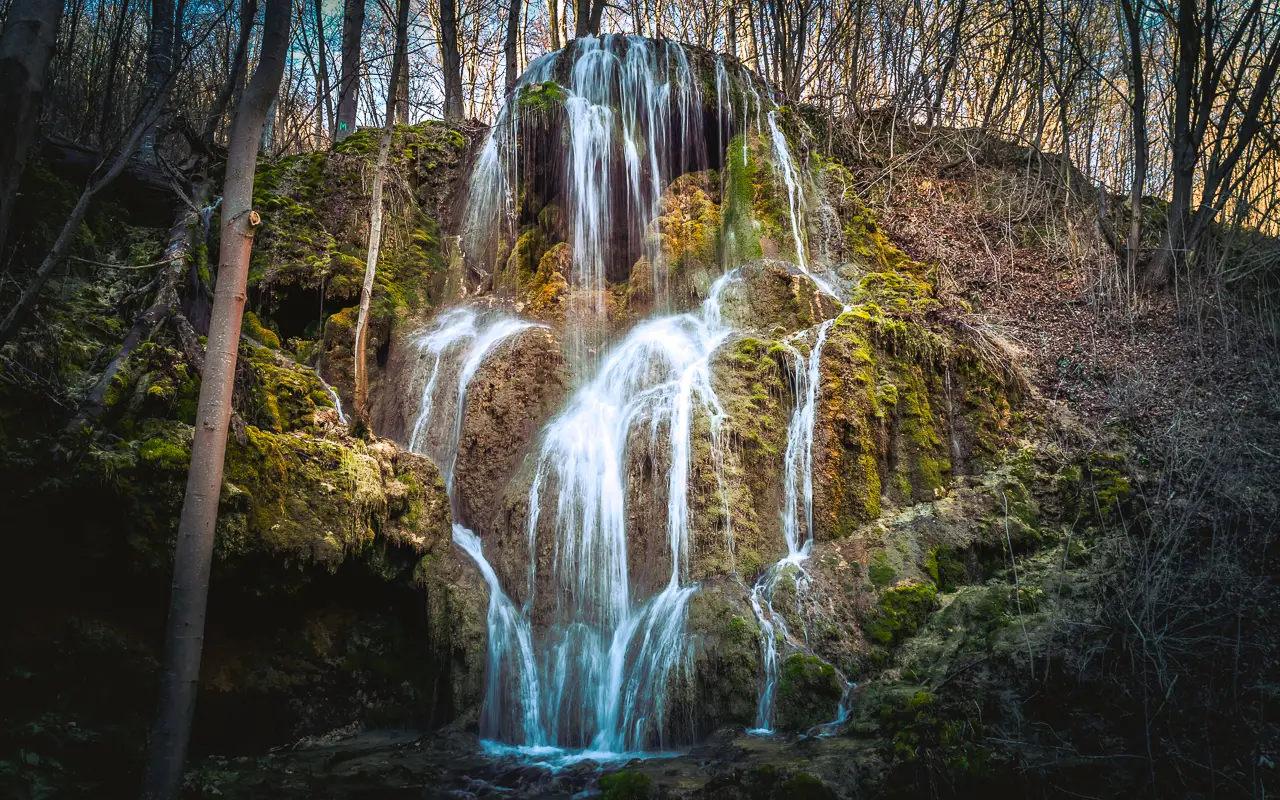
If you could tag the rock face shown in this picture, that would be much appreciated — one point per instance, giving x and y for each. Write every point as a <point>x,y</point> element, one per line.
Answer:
<point>339,593</point>
<point>514,392</point>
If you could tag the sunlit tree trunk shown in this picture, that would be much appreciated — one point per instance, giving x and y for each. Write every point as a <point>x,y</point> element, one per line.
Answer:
<point>322,69</point>
<point>1132,11</point>
<point>512,44</point>
<point>193,555</point>
<point>553,23</point>
<point>452,60</point>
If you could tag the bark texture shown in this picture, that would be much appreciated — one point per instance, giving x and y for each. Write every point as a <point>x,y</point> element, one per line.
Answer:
<point>452,60</point>
<point>512,45</point>
<point>193,556</point>
<point>349,80</point>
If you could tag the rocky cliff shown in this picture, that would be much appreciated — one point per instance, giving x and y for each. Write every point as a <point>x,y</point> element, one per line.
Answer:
<point>948,517</point>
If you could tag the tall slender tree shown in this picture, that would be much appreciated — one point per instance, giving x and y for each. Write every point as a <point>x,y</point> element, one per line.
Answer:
<point>349,80</point>
<point>1132,11</point>
<point>322,68</point>
<point>26,46</point>
<point>248,11</point>
<point>193,555</point>
<point>451,59</point>
<point>160,45</point>
<point>400,58</point>
<point>512,44</point>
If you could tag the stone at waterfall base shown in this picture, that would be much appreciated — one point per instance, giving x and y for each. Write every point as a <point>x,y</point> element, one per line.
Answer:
<point>389,763</point>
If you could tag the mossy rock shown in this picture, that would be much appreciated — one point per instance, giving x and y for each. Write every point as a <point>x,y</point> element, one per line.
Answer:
<point>899,612</point>
<point>626,785</point>
<point>726,661</point>
<point>542,98</point>
<point>809,692</point>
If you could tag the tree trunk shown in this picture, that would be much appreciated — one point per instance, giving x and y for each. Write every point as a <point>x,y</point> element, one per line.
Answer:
<point>166,301</point>
<point>361,375</point>
<point>1132,10</point>
<point>323,67</point>
<point>512,44</point>
<point>184,637</point>
<point>402,91</point>
<point>248,10</point>
<point>553,23</point>
<point>26,46</point>
<point>1185,149</point>
<point>349,81</point>
<point>159,63</point>
<point>452,60</point>
<point>731,27</point>
<point>113,69</point>
<point>587,15</point>
<point>597,15</point>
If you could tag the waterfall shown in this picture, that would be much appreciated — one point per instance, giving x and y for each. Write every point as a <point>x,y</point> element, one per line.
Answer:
<point>608,657</point>
<point>462,337</point>
<point>797,520</point>
<point>589,678</point>
<point>632,113</point>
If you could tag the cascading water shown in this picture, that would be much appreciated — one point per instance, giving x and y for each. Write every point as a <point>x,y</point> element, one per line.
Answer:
<point>797,519</point>
<point>592,674</point>
<point>632,110</point>
<point>608,658</point>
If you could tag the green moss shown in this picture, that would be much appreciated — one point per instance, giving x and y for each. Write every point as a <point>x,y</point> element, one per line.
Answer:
<point>283,397</point>
<point>946,568</point>
<point>254,328</point>
<point>899,612</point>
<point>522,265</point>
<point>727,663</point>
<point>688,227</point>
<point>809,692</point>
<point>626,785</point>
<point>542,97</point>
<point>740,241</point>
<point>302,497</point>
<point>166,453</point>
<point>803,786</point>
<point>880,570</point>
<point>896,292</point>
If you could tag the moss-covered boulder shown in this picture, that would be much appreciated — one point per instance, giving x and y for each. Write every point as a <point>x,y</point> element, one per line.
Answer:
<point>723,686</point>
<point>809,692</point>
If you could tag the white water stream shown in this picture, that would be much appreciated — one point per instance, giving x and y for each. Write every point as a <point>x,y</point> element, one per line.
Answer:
<point>590,680</point>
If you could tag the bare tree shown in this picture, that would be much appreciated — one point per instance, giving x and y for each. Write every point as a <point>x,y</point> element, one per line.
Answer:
<point>193,556</point>
<point>349,81</point>
<point>322,69</point>
<point>248,10</point>
<point>511,45</point>
<point>1132,11</point>
<point>553,23</point>
<point>361,344</point>
<point>160,54</point>
<point>1223,69</point>
<point>102,178</point>
<point>26,46</point>
<point>451,59</point>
